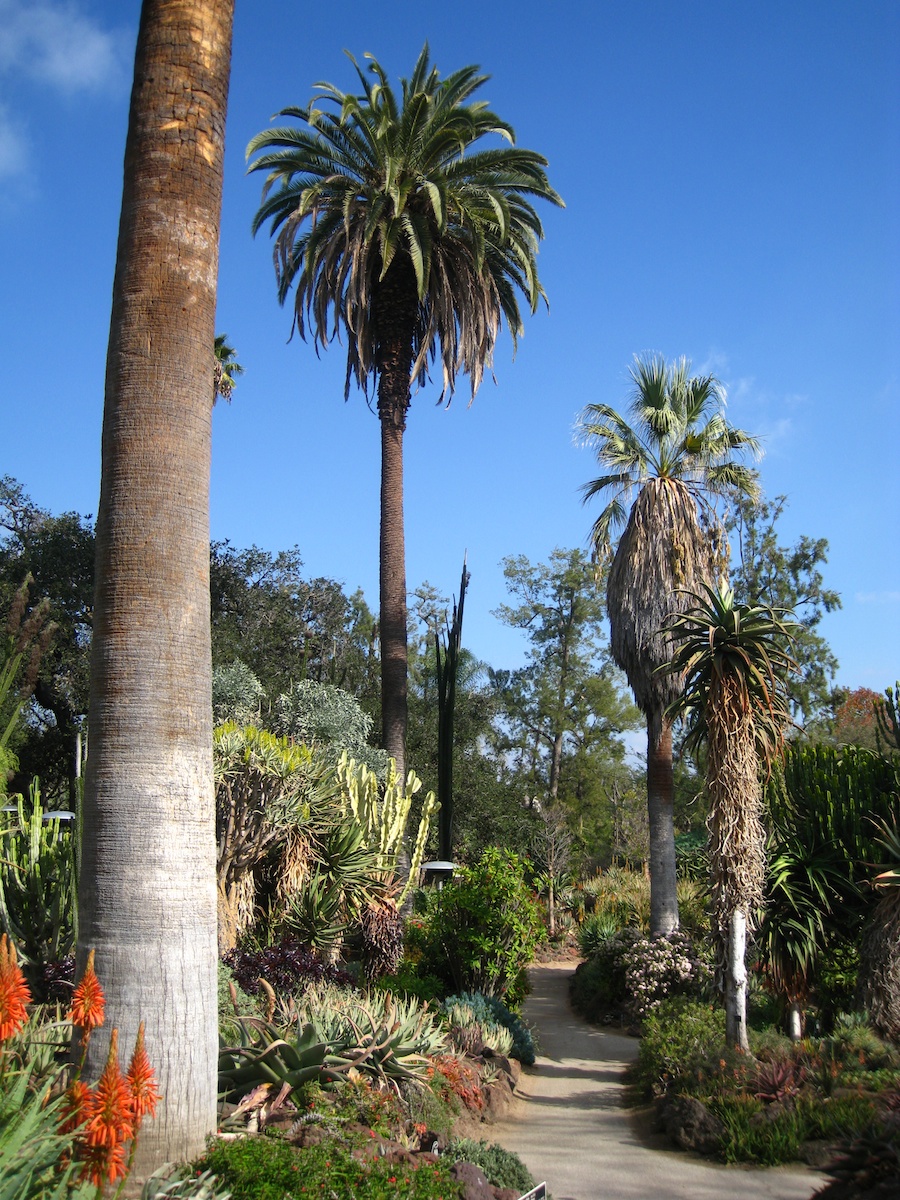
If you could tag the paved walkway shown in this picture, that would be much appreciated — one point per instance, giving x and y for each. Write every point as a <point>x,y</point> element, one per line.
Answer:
<point>570,1129</point>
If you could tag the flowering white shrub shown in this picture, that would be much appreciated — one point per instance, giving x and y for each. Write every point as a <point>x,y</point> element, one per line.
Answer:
<point>661,967</point>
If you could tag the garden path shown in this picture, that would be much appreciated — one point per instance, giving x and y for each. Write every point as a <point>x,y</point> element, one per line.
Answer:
<point>569,1126</point>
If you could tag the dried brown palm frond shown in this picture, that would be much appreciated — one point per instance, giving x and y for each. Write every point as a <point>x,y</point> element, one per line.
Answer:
<point>662,551</point>
<point>295,862</point>
<point>879,954</point>
<point>381,925</point>
<point>736,831</point>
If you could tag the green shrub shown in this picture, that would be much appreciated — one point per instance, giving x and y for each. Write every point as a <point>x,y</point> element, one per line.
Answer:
<point>598,988</point>
<point>620,894</point>
<point>678,1040</point>
<point>501,1167</point>
<point>268,1168</point>
<point>410,979</point>
<point>482,929</point>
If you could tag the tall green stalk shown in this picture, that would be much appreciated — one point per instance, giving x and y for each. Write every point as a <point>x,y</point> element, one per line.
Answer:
<point>447,669</point>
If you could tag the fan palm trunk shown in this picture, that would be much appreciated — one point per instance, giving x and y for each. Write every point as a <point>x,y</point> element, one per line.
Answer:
<point>664,917</point>
<point>147,900</point>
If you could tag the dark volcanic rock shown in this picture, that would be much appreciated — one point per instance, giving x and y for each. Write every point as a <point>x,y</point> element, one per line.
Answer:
<point>690,1124</point>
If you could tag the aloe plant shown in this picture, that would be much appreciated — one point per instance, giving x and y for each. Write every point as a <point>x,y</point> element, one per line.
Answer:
<point>331,1033</point>
<point>263,1056</point>
<point>31,1146</point>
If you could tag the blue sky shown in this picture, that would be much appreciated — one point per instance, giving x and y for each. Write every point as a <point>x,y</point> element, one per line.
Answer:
<point>731,177</point>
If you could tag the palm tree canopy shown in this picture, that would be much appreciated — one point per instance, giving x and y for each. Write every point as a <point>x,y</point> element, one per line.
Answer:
<point>375,195</point>
<point>678,431</point>
<point>732,653</point>
<point>226,368</point>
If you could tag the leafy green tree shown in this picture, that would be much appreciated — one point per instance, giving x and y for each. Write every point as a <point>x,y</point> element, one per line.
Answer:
<point>321,714</point>
<point>397,227</point>
<point>565,701</point>
<point>287,628</point>
<point>677,452</point>
<point>735,702</point>
<point>57,552</point>
<point>787,577</point>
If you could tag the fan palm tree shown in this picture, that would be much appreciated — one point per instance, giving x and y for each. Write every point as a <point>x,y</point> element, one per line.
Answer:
<point>226,368</point>
<point>678,454</point>
<point>147,879</point>
<point>397,230</point>
<point>736,705</point>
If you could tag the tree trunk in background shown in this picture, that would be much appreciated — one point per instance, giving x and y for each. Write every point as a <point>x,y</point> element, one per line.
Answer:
<point>661,819</point>
<point>147,900</point>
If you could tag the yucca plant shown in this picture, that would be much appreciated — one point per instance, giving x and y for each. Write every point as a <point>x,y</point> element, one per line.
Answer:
<point>733,660</point>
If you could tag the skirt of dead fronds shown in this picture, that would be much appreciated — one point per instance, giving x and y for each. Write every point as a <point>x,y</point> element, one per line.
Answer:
<point>879,967</point>
<point>382,938</point>
<point>737,836</point>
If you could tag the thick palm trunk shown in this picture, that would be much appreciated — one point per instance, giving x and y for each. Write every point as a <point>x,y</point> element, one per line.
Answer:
<point>395,304</point>
<point>393,596</point>
<point>661,819</point>
<point>147,900</point>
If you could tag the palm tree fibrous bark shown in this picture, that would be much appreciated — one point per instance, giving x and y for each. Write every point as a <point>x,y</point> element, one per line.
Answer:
<point>147,892</point>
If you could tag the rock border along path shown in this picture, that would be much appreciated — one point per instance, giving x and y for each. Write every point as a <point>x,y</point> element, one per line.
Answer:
<point>570,1128</point>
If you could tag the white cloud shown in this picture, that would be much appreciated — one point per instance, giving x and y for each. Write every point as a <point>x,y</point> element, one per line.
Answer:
<point>52,42</point>
<point>877,597</point>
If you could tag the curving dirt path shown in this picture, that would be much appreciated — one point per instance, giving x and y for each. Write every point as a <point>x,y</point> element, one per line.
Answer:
<point>569,1127</point>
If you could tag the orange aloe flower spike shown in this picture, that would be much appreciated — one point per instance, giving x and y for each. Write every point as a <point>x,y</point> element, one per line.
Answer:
<point>111,1121</point>
<point>141,1081</point>
<point>77,1106</point>
<point>88,1002</point>
<point>14,993</point>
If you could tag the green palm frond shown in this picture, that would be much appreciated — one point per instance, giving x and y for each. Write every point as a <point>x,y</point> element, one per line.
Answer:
<point>226,368</point>
<point>376,184</point>
<point>675,429</point>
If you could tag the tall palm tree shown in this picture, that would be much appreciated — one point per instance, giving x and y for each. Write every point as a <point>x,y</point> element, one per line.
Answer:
<point>396,229</point>
<point>226,368</point>
<point>147,895</point>
<point>678,453</point>
<point>735,702</point>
